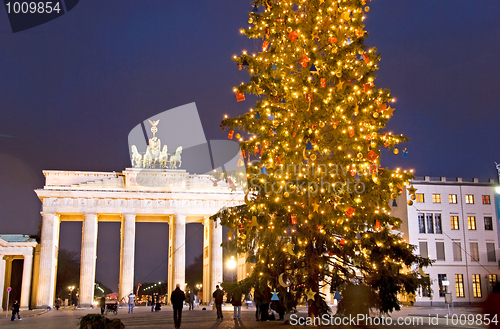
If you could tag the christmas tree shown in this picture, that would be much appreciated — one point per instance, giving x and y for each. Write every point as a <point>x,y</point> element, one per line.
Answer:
<point>317,209</point>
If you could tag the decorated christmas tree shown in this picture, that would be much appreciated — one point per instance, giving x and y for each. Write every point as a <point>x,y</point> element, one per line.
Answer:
<point>317,208</point>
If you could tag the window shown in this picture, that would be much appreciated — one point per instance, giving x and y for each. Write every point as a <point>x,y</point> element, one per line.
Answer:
<point>474,251</point>
<point>457,251</point>
<point>421,223</point>
<point>488,223</point>
<point>469,198</point>
<point>437,223</point>
<point>459,285</point>
<point>430,224</point>
<point>486,199</point>
<point>422,246</point>
<point>420,197</point>
<point>492,280</point>
<point>453,198</point>
<point>471,222</point>
<point>476,285</point>
<point>490,250</point>
<point>426,289</point>
<point>436,198</point>
<point>440,251</point>
<point>442,288</point>
<point>454,223</point>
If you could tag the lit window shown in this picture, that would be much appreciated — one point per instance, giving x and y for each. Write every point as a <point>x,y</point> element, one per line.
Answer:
<point>469,198</point>
<point>442,288</point>
<point>492,280</point>
<point>476,285</point>
<point>436,198</point>
<point>471,222</point>
<point>488,223</point>
<point>459,285</point>
<point>453,198</point>
<point>420,197</point>
<point>454,223</point>
<point>486,199</point>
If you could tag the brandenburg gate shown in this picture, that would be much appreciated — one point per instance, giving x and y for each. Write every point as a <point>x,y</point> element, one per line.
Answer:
<point>170,196</point>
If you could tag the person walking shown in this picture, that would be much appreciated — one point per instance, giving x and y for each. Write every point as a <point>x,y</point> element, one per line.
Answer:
<point>131,299</point>
<point>102,304</point>
<point>192,299</point>
<point>153,302</point>
<point>15,310</point>
<point>58,303</point>
<point>177,298</point>
<point>264,307</point>
<point>218,296</point>
<point>236,301</point>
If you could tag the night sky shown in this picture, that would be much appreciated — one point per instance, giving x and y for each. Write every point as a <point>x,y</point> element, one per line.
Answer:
<point>72,89</point>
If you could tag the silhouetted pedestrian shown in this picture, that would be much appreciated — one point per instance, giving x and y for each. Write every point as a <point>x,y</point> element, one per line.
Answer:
<point>177,298</point>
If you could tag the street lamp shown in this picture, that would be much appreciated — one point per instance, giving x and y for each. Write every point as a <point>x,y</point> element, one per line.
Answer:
<point>231,265</point>
<point>70,288</point>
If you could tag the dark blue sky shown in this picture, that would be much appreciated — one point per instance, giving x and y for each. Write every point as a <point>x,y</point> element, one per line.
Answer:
<point>72,89</point>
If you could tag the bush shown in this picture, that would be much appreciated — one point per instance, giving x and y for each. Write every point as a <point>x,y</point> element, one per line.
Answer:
<point>97,321</point>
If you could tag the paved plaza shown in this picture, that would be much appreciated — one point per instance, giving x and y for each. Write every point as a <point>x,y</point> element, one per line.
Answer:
<point>198,319</point>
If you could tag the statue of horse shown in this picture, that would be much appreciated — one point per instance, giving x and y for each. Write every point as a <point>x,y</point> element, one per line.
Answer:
<point>136,157</point>
<point>164,157</point>
<point>148,159</point>
<point>176,158</point>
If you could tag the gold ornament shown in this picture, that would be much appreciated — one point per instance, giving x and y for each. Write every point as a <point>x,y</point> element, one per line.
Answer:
<point>360,156</point>
<point>396,151</point>
<point>410,203</point>
<point>313,157</point>
<point>338,73</point>
<point>250,20</point>
<point>373,145</point>
<point>238,135</point>
<point>375,115</point>
<point>310,216</point>
<point>413,197</point>
<point>286,194</point>
<point>375,179</point>
<point>367,9</point>
<point>321,124</point>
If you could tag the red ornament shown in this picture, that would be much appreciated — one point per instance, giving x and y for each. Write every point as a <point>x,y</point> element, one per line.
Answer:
<point>278,161</point>
<point>373,168</point>
<point>377,225</point>
<point>353,170</point>
<point>304,61</point>
<point>351,131</point>
<point>372,156</point>
<point>240,66</point>
<point>366,58</point>
<point>240,97</point>
<point>323,82</point>
<point>382,107</point>
<point>241,227</point>
<point>294,134</point>
<point>332,39</point>
<point>367,87</point>
<point>293,36</point>
<point>309,96</point>
<point>256,149</point>
<point>271,133</point>
<point>350,212</point>
<point>342,241</point>
<point>243,154</point>
<point>293,219</point>
<point>265,45</point>
<point>230,134</point>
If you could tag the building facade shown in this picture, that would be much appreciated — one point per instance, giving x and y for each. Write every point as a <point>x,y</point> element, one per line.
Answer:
<point>455,223</point>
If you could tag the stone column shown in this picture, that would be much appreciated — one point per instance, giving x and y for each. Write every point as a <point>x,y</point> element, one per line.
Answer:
<point>127,255</point>
<point>48,260</point>
<point>2,280</point>
<point>88,260</point>
<point>216,257</point>
<point>177,252</point>
<point>207,253</point>
<point>26,281</point>
<point>8,277</point>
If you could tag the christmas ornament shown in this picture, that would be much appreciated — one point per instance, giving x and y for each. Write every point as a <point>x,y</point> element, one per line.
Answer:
<point>282,282</point>
<point>342,241</point>
<point>278,161</point>
<point>289,248</point>
<point>257,115</point>
<point>240,97</point>
<point>396,151</point>
<point>255,9</point>
<point>230,134</point>
<point>366,58</point>
<point>275,296</point>
<point>243,154</point>
<point>254,221</point>
<point>375,114</point>
<point>351,131</point>
<point>304,61</point>
<point>372,156</point>
<point>313,69</point>
<point>367,9</point>
<point>332,39</point>
<point>309,96</point>
<point>293,36</point>
<point>309,146</point>
<point>310,294</point>
<point>350,211</point>
<point>241,227</point>
<point>293,219</point>
<point>238,136</point>
<point>256,149</point>
<point>323,82</point>
<point>265,45</point>
<point>230,235</point>
<point>240,163</point>
<point>263,170</point>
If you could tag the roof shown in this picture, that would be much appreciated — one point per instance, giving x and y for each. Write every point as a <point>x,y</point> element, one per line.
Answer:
<point>16,238</point>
